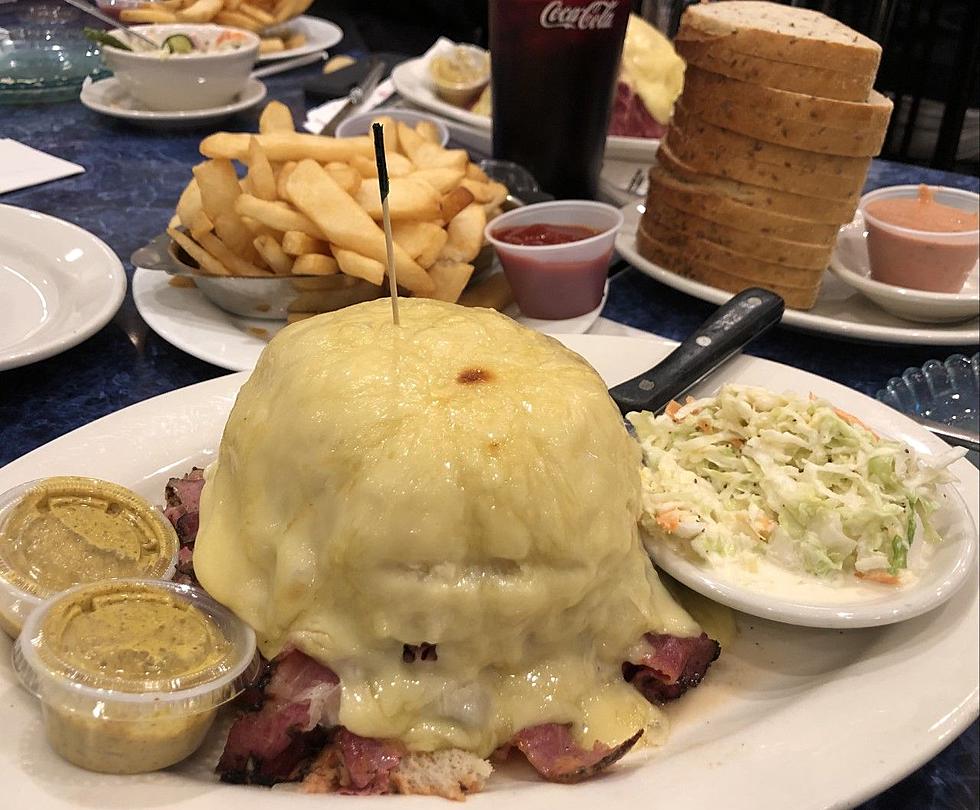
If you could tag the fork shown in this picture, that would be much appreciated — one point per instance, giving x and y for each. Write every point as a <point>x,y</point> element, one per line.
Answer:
<point>636,182</point>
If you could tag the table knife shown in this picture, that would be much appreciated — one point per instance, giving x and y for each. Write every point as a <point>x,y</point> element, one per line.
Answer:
<point>740,320</point>
<point>951,434</point>
<point>356,97</point>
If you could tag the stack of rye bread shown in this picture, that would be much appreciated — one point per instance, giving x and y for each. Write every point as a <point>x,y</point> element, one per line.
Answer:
<point>768,148</point>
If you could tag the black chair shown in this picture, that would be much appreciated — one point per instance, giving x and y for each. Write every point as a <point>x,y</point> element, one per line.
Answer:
<point>930,51</point>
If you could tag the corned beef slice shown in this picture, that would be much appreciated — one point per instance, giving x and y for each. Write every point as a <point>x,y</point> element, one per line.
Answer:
<point>630,118</point>
<point>553,753</point>
<point>671,665</point>
<point>277,742</point>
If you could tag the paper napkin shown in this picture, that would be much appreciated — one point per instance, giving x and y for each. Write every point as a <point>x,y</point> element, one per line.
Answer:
<point>22,166</point>
<point>318,117</point>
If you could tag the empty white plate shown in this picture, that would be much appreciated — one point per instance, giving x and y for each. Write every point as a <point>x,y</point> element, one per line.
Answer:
<point>850,262</point>
<point>58,286</point>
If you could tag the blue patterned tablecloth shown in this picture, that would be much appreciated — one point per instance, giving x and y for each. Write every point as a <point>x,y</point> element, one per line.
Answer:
<point>127,195</point>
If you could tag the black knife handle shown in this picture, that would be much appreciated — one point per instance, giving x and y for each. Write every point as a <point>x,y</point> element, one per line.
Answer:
<point>739,321</point>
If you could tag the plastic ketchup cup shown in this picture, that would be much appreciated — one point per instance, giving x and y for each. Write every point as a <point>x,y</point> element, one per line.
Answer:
<point>933,260</point>
<point>557,281</point>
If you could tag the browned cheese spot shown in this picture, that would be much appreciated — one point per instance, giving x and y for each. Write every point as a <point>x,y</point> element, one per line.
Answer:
<point>474,375</point>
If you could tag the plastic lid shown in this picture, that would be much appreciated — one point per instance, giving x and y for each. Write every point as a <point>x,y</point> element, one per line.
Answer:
<point>63,531</point>
<point>131,648</point>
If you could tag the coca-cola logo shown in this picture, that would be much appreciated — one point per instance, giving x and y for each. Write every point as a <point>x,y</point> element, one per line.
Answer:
<point>598,14</point>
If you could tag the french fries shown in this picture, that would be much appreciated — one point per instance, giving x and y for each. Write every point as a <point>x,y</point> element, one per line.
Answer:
<point>308,207</point>
<point>255,15</point>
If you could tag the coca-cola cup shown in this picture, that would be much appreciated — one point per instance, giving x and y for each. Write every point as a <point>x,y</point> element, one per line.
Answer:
<point>554,67</point>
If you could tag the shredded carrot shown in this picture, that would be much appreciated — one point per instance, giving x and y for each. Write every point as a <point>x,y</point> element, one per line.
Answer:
<point>878,575</point>
<point>851,419</point>
<point>672,408</point>
<point>669,520</point>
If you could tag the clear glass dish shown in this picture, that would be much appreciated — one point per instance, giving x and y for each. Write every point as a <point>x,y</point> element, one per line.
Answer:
<point>43,54</point>
<point>947,392</point>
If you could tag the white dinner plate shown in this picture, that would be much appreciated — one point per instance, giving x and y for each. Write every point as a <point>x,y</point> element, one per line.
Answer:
<point>183,317</point>
<point>411,79</point>
<point>851,264</point>
<point>58,286</point>
<point>108,97</point>
<point>814,718</point>
<point>320,34</point>
<point>840,309</point>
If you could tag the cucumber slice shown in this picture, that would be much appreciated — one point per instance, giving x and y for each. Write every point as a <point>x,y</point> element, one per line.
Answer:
<point>178,43</point>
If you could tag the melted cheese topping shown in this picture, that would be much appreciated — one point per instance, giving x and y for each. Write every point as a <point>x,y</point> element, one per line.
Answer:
<point>652,68</point>
<point>458,480</point>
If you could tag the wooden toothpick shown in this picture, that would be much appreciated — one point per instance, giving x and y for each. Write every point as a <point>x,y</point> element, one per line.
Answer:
<point>379,155</point>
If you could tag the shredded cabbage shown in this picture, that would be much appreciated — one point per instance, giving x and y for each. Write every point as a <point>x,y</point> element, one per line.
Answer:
<point>751,473</point>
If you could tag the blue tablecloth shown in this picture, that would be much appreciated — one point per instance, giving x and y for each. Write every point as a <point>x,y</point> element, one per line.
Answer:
<point>126,196</point>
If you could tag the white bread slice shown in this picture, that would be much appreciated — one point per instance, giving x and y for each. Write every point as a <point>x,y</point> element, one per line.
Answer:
<point>806,255</point>
<point>451,774</point>
<point>781,33</point>
<point>699,249</point>
<point>723,153</point>
<point>872,113</point>
<point>710,203</point>
<point>758,121</point>
<point>815,81</point>
<point>787,203</point>
<point>700,270</point>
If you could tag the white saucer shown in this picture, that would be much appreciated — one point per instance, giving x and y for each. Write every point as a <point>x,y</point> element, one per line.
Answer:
<point>108,97</point>
<point>850,262</point>
<point>320,35</point>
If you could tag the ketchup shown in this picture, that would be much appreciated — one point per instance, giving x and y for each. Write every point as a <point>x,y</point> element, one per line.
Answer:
<point>544,234</point>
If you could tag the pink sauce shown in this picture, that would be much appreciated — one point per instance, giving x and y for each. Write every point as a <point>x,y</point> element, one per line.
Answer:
<point>923,213</point>
<point>938,258</point>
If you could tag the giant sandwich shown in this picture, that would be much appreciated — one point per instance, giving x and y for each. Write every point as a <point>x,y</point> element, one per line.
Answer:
<point>432,528</point>
<point>651,77</point>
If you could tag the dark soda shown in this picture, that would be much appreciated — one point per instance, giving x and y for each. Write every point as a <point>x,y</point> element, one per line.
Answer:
<point>554,69</point>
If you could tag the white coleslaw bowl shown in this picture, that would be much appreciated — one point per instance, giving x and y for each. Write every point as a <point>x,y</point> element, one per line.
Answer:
<point>176,82</point>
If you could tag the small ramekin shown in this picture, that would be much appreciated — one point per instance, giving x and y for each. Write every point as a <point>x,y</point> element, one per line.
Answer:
<point>24,583</point>
<point>102,717</point>
<point>554,282</point>
<point>934,261</point>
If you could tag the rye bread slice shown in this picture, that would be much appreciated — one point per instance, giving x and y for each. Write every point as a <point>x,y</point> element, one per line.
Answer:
<point>759,123</point>
<point>807,255</point>
<point>704,272</point>
<point>781,33</point>
<point>722,153</point>
<point>728,144</point>
<point>713,204</point>
<point>731,261</point>
<point>788,203</point>
<point>815,81</point>
<point>871,113</point>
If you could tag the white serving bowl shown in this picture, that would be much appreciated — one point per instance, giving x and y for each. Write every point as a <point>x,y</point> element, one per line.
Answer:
<point>360,124</point>
<point>176,82</point>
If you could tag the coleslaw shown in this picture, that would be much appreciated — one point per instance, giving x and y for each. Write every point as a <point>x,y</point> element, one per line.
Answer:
<point>750,473</point>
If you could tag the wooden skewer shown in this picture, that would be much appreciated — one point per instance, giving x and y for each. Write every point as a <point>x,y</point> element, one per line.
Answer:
<point>379,155</point>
